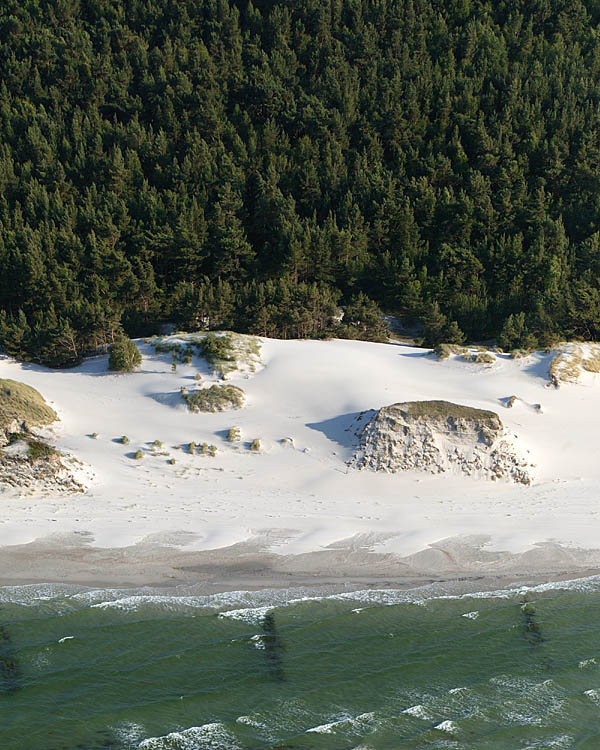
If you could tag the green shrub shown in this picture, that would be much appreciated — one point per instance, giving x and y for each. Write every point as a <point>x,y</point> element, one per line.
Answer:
<point>255,445</point>
<point>192,447</point>
<point>124,440</point>
<point>197,377</point>
<point>171,461</point>
<point>216,398</point>
<point>124,356</point>
<point>217,348</point>
<point>94,436</point>
<point>203,448</point>
<point>212,449</point>
<point>138,455</point>
<point>157,444</point>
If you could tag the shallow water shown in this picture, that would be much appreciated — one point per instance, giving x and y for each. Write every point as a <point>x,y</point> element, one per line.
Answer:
<point>517,668</point>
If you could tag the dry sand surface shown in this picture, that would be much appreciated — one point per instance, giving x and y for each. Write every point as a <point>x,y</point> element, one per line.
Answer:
<point>295,513</point>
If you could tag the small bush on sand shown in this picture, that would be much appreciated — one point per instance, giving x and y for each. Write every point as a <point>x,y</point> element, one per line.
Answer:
<point>255,445</point>
<point>124,356</point>
<point>156,444</point>
<point>234,435</point>
<point>138,455</point>
<point>94,436</point>
<point>171,461</point>
<point>480,358</point>
<point>212,449</point>
<point>124,440</point>
<point>192,447</point>
<point>443,351</point>
<point>203,449</point>
<point>197,377</point>
<point>217,349</point>
<point>216,398</point>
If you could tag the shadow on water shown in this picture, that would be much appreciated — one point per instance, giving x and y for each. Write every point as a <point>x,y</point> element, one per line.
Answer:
<point>9,669</point>
<point>533,631</point>
<point>274,647</point>
<point>104,741</point>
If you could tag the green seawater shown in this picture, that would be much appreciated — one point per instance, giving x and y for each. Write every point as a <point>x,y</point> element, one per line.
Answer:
<point>426,668</point>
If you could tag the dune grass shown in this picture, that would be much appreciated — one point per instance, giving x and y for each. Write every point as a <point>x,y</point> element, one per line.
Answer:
<point>214,399</point>
<point>479,358</point>
<point>23,404</point>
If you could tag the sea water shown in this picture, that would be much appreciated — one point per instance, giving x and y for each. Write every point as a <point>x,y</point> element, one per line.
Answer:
<point>298,669</point>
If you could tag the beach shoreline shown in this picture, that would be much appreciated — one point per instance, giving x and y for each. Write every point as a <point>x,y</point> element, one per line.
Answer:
<point>152,566</point>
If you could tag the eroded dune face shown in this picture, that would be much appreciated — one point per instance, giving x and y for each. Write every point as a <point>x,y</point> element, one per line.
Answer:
<point>437,437</point>
<point>26,461</point>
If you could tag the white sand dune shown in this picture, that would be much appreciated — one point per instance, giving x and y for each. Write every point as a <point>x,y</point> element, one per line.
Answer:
<point>301,499</point>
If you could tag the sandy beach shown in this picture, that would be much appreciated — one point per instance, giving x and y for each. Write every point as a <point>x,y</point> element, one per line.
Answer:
<point>295,512</point>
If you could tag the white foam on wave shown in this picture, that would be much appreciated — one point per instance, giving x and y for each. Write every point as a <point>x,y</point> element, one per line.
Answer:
<point>471,615</point>
<point>259,642</point>
<point>447,726</point>
<point>128,733</point>
<point>34,593</point>
<point>250,722</point>
<point>250,615</point>
<point>586,663</point>
<point>131,600</point>
<point>346,721</point>
<point>212,736</point>
<point>593,694</point>
<point>419,711</point>
<point>562,742</point>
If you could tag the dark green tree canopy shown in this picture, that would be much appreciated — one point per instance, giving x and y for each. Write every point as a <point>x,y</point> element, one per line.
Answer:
<point>254,165</point>
<point>124,356</point>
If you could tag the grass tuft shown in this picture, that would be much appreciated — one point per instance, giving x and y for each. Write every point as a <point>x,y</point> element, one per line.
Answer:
<point>234,435</point>
<point>443,351</point>
<point>479,358</point>
<point>214,399</point>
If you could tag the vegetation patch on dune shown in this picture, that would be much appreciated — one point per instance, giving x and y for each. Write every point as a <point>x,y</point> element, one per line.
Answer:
<point>224,351</point>
<point>23,404</point>
<point>571,359</point>
<point>443,351</point>
<point>444,410</point>
<point>480,358</point>
<point>216,398</point>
